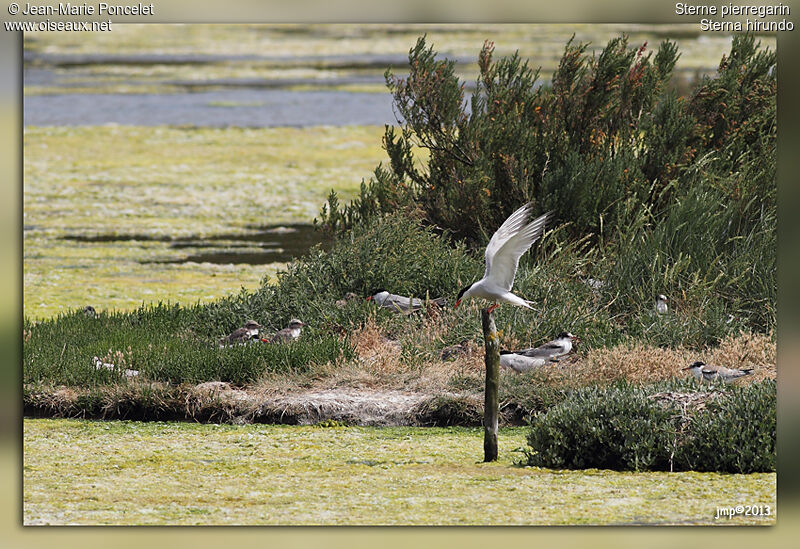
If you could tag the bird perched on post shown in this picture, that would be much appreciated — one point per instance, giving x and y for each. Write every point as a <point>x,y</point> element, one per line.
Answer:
<point>401,304</point>
<point>242,335</point>
<point>706,372</point>
<point>290,333</point>
<point>514,237</point>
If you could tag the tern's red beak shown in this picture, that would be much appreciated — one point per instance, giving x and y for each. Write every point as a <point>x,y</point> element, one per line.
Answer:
<point>457,304</point>
<point>369,298</point>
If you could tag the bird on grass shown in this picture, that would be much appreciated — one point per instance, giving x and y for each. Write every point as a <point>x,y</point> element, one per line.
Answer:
<point>514,237</point>
<point>661,304</point>
<point>706,372</point>
<point>401,304</point>
<point>560,346</point>
<point>290,333</point>
<point>520,363</point>
<point>242,335</point>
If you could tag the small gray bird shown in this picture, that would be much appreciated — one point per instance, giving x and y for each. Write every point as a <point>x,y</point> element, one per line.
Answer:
<point>520,363</point>
<point>89,311</point>
<point>242,335</point>
<point>400,304</point>
<point>705,372</point>
<point>661,304</point>
<point>289,333</point>
<point>560,346</point>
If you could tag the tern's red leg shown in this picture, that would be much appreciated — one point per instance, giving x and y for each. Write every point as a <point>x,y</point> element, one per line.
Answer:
<point>493,307</point>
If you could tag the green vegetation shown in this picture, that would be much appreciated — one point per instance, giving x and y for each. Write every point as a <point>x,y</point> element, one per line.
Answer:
<point>112,472</point>
<point>623,427</point>
<point>160,343</point>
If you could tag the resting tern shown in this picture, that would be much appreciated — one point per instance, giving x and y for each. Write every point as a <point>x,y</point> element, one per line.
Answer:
<point>289,333</point>
<point>520,363</point>
<point>242,335</point>
<point>560,346</point>
<point>401,304</point>
<point>514,237</point>
<point>705,372</point>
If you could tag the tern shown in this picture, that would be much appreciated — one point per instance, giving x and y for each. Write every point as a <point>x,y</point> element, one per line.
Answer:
<point>514,237</point>
<point>705,372</point>
<point>401,304</point>
<point>520,363</point>
<point>661,304</point>
<point>242,335</point>
<point>560,346</point>
<point>289,333</point>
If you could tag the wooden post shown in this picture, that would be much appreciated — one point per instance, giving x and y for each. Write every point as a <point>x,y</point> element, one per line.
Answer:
<point>490,403</point>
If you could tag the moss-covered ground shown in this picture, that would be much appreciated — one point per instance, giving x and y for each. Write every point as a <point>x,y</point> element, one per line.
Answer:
<point>169,182</point>
<point>88,472</point>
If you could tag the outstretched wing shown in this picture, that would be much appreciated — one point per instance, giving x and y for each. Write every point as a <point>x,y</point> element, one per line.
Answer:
<point>514,237</point>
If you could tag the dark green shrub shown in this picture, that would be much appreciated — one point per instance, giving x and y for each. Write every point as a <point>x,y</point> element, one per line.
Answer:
<point>736,434</point>
<point>570,146</point>
<point>619,427</point>
<point>606,428</point>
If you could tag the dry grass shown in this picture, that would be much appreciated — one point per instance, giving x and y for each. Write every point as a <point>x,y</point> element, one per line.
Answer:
<point>382,365</point>
<point>636,362</point>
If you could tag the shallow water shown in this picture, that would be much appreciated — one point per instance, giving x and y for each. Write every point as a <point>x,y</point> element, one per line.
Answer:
<point>232,107</point>
<point>268,244</point>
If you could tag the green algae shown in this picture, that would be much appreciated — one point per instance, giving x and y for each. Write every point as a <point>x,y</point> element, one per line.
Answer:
<point>86,472</point>
<point>169,182</point>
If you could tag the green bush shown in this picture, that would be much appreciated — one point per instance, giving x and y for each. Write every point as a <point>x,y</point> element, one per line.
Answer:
<point>619,427</point>
<point>736,434</point>
<point>605,428</point>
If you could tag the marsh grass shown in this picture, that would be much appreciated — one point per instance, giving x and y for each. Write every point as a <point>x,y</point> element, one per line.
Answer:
<point>159,342</point>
